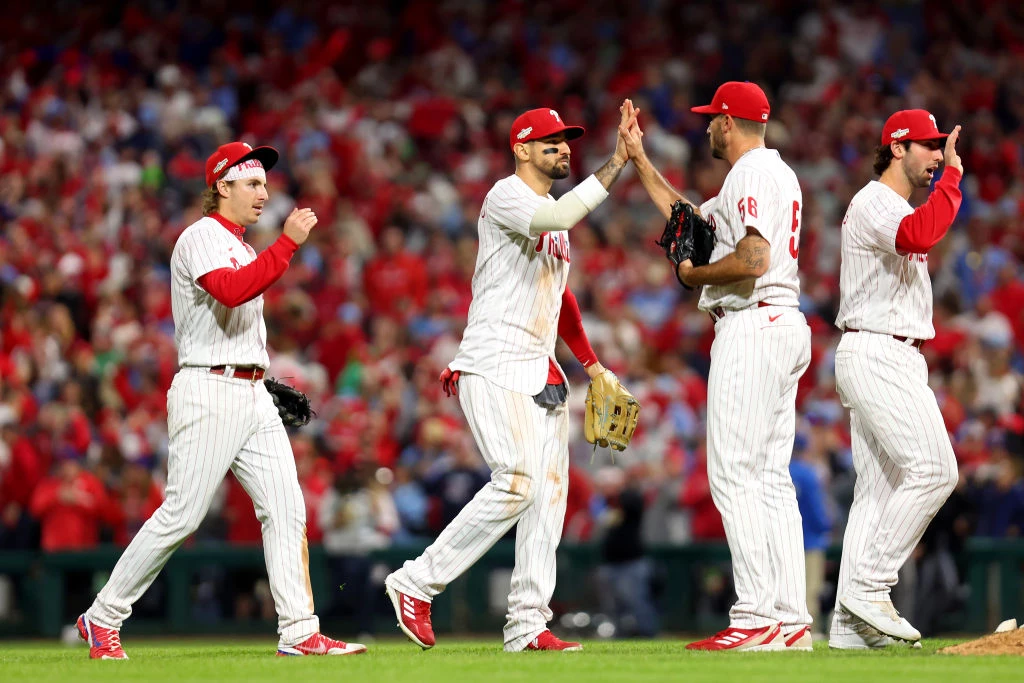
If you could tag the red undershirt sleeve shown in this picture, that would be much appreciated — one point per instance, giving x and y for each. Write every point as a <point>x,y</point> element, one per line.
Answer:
<point>235,287</point>
<point>570,329</point>
<point>922,230</point>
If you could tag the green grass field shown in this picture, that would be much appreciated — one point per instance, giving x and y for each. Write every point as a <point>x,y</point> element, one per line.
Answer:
<point>456,661</point>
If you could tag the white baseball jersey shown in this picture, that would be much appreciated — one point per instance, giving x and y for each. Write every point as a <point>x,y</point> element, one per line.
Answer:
<point>207,332</point>
<point>882,290</point>
<point>517,292</point>
<point>762,192</point>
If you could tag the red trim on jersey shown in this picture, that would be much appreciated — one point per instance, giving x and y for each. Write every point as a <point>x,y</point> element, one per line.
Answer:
<point>922,230</point>
<point>570,329</point>
<point>235,287</point>
<point>235,229</point>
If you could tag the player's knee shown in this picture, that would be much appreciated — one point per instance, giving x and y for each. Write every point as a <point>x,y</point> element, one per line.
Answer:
<point>176,527</point>
<point>284,518</point>
<point>518,488</point>
<point>940,478</point>
<point>948,479</point>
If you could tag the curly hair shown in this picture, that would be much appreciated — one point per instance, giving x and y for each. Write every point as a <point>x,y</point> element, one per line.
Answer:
<point>883,156</point>
<point>211,198</point>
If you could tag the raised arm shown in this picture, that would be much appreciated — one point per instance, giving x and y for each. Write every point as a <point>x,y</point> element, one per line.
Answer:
<point>660,190</point>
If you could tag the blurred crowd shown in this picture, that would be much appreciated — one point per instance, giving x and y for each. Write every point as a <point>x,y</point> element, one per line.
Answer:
<point>392,120</point>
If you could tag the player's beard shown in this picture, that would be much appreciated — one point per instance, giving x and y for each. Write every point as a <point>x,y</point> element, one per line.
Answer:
<point>557,171</point>
<point>717,142</point>
<point>918,176</point>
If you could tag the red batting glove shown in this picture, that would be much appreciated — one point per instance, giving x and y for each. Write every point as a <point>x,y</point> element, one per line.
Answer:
<point>450,382</point>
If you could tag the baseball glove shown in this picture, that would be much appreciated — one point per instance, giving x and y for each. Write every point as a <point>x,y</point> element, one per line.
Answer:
<point>611,412</point>
<point>292,404</point>
<point>687,236</point>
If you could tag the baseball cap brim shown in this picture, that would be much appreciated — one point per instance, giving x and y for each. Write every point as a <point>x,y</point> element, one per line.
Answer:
<point>571,133</point>
<point>705,109</point>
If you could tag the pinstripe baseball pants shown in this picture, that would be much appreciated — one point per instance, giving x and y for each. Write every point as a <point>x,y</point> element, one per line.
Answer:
<point>904,461</point>
<point>757,358</point>
<point>527,448</point>
<point>217,423</point>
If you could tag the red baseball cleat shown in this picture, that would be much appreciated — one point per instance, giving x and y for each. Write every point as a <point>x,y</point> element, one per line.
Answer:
<point>762,639</point>
<point>799,640</point>
<point>413,618</point>
<point>104,643</point>
<point>547,640</point>
<point>319,644</point>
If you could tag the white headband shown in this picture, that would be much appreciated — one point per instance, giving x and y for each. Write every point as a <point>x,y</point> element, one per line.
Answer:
<point>250,168</point>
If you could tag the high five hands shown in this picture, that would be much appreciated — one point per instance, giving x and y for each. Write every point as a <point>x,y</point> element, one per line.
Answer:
<point>630,135</point>
<point>627,122</point>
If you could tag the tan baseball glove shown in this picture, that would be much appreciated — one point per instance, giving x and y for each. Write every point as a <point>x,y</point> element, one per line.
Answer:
<point>611,412</point>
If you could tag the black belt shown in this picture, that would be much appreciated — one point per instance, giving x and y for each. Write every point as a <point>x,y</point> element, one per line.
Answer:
<point>717,313</point>
<point>252,373</point>
<point>916,343</point>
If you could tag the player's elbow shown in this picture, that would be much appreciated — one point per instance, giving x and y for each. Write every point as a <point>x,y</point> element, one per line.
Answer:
<point>754,254</point>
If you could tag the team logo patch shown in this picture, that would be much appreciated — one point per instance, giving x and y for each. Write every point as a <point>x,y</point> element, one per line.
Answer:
<point>555,114</point>
<point>935,125</point>
<point>220,166</point>
<point>524,132</point>
<point>724,106</point>
<point>897,134</point>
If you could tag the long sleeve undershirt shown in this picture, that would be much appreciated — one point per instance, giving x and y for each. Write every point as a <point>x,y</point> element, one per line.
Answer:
<point>235,287</point>
<point>570,329</point>
<point>923,229</point>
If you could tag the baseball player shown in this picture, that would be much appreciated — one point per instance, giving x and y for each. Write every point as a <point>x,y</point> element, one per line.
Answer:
<point>511,389</point>
<point>901,451</point>
<point>762,346</point>
<point>219,414</point>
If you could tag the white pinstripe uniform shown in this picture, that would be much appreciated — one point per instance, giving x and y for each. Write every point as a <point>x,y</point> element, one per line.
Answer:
<point>216,423</point>
<point>901,450</point>
<point>762,346</point>
<point>504,361</point>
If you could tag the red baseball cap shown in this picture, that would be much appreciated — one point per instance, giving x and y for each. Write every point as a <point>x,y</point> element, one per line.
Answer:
<point>234,153</point>
<point>540,123</point>
<point>739,99</point>
<point>911,124</point>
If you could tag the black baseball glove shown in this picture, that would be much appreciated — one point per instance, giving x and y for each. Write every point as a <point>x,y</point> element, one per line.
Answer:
<point>292,404</point>
<point>687,236</point>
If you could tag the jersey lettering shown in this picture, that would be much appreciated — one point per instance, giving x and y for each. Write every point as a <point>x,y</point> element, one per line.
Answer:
<point>794,240</point>
<point>557,246</point>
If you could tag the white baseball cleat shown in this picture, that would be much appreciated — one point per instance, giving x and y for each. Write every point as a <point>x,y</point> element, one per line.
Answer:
<point>882,616</point>
<point>864,637</point>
